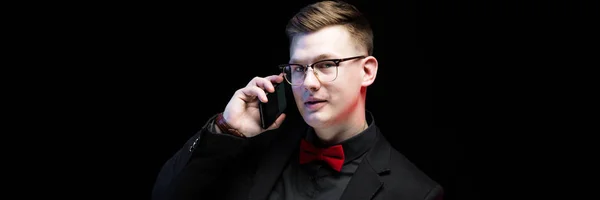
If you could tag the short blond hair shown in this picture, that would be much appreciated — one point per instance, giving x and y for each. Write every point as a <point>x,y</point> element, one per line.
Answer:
<point>328,13</point>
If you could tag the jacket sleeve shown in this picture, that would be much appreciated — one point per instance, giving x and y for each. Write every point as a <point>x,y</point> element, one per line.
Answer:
<point>437,193</point>
<point>208,151</point>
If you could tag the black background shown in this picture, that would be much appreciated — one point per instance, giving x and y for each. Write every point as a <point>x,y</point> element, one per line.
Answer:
<point>136,80</point>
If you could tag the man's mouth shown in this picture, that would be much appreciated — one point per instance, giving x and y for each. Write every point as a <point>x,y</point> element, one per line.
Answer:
<point>314,102</point>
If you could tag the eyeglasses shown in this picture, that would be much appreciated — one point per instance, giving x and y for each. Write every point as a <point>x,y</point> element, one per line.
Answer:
<point>324,70</point>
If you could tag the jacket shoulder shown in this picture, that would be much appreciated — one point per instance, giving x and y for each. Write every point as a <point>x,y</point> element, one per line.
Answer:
<point>406,180</point>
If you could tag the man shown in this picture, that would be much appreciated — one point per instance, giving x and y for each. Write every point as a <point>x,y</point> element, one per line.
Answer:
<point>335,152</point>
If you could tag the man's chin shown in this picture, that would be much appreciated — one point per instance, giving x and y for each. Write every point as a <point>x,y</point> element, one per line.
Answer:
<point>314,119</point>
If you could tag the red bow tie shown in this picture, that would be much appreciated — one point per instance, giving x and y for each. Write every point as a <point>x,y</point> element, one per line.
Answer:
<point>333,155</point>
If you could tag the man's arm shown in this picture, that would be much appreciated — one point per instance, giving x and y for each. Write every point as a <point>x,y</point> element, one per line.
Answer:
<point>211,150</point>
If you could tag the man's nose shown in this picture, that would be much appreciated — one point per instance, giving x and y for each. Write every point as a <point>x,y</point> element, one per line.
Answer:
<point>311,79</point>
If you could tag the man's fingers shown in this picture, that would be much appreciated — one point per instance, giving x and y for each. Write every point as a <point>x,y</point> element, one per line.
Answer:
<point>275,78</point>
<point>267,82</point>
<point>277,122</point>
<point>253,91</point>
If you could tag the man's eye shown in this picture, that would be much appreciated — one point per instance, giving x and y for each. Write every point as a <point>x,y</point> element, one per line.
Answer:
<point>325,65</point>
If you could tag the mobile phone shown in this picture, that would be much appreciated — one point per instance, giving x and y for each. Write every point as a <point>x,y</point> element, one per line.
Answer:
<point>274,107</point>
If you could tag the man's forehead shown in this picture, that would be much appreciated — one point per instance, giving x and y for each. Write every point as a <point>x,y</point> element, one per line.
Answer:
<point>327,43</point>
<point>313,49</point>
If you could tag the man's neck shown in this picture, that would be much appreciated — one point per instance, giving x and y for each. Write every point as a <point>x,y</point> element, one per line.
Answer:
<point>351,126</point>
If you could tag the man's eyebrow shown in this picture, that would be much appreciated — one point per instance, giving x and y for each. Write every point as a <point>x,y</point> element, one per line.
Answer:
<point>318,58</point>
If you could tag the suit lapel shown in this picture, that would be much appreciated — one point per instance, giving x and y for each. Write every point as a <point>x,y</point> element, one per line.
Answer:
<point>363,185</point>
<point>272,165</point>
<point>366,182</point>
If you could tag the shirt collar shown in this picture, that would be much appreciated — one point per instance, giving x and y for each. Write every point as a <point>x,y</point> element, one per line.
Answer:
<point>355,146</point>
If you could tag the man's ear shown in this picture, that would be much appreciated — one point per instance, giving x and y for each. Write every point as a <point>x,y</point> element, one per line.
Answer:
<point>369,70</point>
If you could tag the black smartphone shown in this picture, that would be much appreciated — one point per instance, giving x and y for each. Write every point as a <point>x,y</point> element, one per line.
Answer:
<point>274,107</point>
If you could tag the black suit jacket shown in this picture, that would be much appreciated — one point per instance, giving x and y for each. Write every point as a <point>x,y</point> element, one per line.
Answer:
<point>219,166</point>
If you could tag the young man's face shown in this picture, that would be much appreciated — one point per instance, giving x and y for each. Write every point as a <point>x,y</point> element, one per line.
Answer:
<point>327,103</point>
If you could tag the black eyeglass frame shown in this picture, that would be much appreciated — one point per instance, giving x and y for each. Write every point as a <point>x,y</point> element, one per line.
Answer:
<point>305,67</point>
